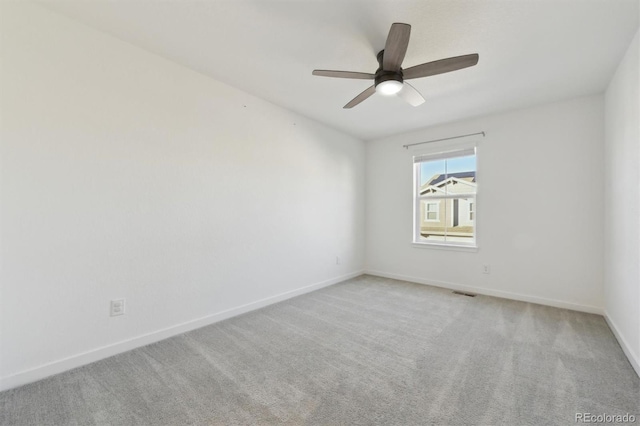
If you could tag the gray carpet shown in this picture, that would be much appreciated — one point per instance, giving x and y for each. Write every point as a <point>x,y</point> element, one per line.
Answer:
<point>366,351</point>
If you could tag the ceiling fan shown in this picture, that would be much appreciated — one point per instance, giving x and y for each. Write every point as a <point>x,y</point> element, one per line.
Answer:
<point>389,78</point>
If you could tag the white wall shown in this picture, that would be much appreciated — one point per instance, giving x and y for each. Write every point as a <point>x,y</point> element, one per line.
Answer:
<point>622,201</point>
<point>540,213</point>
<point>127,176</point>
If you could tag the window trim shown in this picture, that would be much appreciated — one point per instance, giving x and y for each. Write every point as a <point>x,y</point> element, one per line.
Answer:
<point>448,246</point>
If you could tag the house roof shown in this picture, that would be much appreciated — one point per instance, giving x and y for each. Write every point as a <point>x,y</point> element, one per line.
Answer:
<point>439,181</point>
<point>468,176</point>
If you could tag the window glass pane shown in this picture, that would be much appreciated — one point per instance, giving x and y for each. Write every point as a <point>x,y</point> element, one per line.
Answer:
<point>459,224</point>
<point>460,176</point>
<point>451,176</point>
<point>461,164</point>
<point>430,171</point>
<point>448,220</point>
<point>431,226</point>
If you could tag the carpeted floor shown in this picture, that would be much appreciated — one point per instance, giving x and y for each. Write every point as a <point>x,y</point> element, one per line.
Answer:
<point>363,352</point>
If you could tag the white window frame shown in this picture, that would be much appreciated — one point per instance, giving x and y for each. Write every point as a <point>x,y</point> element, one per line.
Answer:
<point>434,154</point>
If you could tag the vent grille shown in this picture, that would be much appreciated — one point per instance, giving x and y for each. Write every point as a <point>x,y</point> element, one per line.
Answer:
<point>461,293</point>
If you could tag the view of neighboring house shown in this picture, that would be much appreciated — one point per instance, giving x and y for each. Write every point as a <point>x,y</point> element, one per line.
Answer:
<point>448,216</point>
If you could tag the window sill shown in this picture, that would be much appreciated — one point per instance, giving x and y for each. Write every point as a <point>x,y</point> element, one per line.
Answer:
<point>453,247</point>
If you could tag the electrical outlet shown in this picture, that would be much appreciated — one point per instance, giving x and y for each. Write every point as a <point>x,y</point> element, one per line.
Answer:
<point>117,307</point>
<point>486,269</point>
<point>337,260</point>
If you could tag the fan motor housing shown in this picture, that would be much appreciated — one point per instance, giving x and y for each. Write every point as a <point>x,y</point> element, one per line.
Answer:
<point>382,75</point>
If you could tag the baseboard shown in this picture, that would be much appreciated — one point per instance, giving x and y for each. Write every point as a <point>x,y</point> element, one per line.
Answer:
<point>62,365</point>
<point>633,358</point>
<point>490,292</point>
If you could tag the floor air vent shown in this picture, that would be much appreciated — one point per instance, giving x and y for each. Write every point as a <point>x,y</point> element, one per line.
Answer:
<point>464,294</point>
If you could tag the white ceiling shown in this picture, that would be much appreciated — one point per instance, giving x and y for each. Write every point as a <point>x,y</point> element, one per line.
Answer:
<point>531,51</point>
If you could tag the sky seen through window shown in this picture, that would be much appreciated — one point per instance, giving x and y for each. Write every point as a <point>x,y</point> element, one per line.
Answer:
<point>450,165</point>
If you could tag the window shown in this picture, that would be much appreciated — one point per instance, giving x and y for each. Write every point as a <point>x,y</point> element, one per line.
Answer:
<point>445,198</point>
<point>432,212</point>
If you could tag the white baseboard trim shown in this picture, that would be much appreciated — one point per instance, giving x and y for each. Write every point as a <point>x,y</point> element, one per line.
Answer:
<point>634,359</point>
<point>74,361</point>
<point>491,292</point>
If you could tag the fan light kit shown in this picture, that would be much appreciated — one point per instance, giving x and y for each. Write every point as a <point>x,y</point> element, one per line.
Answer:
<point>389,78</point>
<point>389,87</point>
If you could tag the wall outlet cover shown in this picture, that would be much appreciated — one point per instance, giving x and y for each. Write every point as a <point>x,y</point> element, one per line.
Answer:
<point>117,307</point>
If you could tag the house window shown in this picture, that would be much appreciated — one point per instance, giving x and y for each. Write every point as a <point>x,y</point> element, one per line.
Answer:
<point>432,212</point>
<point>445,198</point>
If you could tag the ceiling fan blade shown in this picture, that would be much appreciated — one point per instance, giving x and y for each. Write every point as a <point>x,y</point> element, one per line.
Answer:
<point>411,95</point>
<point>344,74</point>
<point>361,97</point>
<point>396,46</point>
<point>441,66</point>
